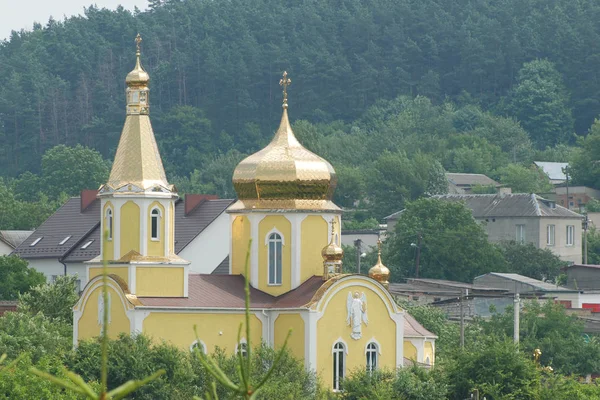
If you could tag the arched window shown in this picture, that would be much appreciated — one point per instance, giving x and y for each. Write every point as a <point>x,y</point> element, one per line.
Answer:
<point>275,249</point>
<point>155,223</point>
<point>198,344</point>
<point>242,348</point>
<point>372,360</point>
<point>109,223</point>
<point>339,365</point>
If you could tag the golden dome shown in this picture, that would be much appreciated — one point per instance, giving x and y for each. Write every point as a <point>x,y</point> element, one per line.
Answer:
<point>285,174</point>
<point>137,77</point>
<point>332,252</point>
<point>380,272</point>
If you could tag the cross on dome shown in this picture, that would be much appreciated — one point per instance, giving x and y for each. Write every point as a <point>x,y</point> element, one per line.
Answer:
<point>285,82</point>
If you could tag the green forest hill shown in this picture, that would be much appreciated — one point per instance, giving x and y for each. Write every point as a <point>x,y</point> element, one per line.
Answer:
<point>392,92</point>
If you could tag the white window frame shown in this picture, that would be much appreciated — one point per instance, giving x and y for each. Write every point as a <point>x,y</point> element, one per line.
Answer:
<point>570,235</point>
<point>154,216</point>
<point>550,235</point>
<point>200,344</point>
<point>87,244</point>
<point>65,240</point>
<point>36,241</point>
<point>242,347</point>
<point>270,240</point>
<point>339,351</point>
<point>372,352</point>
<point>109,221</point>
<point>520,233</point>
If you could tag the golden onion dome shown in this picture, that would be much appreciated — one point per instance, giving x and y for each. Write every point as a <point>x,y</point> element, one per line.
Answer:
<point>137,77</point>
<point>380,272</point>
<point>332,252</point>
<point>285,174</point>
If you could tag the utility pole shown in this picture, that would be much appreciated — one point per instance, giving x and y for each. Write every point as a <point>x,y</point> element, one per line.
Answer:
<point>517,312</point>
<point>357,244</point>
<point>585,224</point>
<point>462,319</point>
<point>418,258</point>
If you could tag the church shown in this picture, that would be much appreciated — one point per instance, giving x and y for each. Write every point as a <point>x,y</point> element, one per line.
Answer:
<point>284,239</point>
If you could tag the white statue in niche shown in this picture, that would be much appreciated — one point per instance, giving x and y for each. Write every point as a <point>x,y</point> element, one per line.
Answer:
<point>101,309</point>
<point>357,313</point>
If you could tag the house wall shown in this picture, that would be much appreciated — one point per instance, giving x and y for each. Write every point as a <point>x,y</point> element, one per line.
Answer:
<point>583,278</point>
<point>369,240</point>
<point>594,217</point>
<point>5,249</point>
<point>51,267</point>
<point>210,247</point>
<point>572,252</point>
<point>503,228</point>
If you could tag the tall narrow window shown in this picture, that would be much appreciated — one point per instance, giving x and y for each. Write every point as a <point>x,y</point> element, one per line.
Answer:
<point>371,357</point>
<point>520,233</point>
<point>570,235</point>
<point>550,235</point>
<point>339,365</point>
<point>275,248</point>
<point>109,223</point>
<point>242,348</point>
<point>154,222</point>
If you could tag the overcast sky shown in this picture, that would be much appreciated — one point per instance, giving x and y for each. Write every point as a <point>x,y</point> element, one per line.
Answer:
<point>21,14</point>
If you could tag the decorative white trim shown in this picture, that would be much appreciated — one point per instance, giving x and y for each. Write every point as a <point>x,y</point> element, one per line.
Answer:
<point>272,231</point>
<point>137,320</point>
<point>159,217</point>
<point>267,333</point>
<point>420,346</point>
<point>296,250</point>
<point>186,280</point>
<point>117,234</point>
<point>310,319</point>
<point>374,341</point>
<point>201,343</point>
<point>232,218</point>
<point>342,341</point>
<point>132,272</point>
<point>144,204</point>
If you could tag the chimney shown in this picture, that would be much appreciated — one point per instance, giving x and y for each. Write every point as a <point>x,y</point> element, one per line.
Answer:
<point>193,201</point>
<point>87,198</point>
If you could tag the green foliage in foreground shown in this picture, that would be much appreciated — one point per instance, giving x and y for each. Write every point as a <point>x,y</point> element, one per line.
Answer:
<point>16,277</point>
<point>54,300</point>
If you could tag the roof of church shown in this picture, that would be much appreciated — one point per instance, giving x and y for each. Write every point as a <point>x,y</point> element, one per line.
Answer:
<point>84,227</point>
<point>413,328</point>
<point>227,291</point>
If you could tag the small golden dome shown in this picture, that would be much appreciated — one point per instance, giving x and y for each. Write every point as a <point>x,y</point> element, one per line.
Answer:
<point>285,171</point>
<point>332,252</point>
<point>137,77</point>
<point>380,272</point>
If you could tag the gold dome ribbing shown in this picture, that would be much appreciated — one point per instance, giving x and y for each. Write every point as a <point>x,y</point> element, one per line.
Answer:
<point>284,174</point>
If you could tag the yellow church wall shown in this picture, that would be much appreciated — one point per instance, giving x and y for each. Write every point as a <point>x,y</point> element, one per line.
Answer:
<point>156,247</point>
<point>88,326</point>
<point>130,228</point>
<point>240,237</point>
<point>121,272</point>
<point>219,329</point>
<point>314,239</point>
<point>108,245</point>
<point>283,324</point>
<point>410,351</point>
<point>159,281</point>
<point>284,226</point>
<point>428,352</point>
<point>332,326</point>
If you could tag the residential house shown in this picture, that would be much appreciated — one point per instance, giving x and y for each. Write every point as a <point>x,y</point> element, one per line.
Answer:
<point>71,236</point>
<point>526,218</point>
<point>459,183</point>
<point>578,196</point>
<point>554,170</point>
<point>9,240</point>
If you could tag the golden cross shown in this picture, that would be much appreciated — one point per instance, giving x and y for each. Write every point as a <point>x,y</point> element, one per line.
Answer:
<point>379,245</point>
<point>138,40</point>
<point>285,82</point>
<point>333,222</point>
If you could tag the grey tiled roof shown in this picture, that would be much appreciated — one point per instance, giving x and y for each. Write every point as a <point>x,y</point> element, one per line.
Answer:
<point>85,226</point>
<point>68,220</point>
<point>510,205</point>
<point>470,179</point>
<point>223,268</point>
<point>534,283</point>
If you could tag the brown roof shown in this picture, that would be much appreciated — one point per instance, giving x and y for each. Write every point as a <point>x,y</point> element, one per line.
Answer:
<point>67,221</point>
<point>412,328</point>
<point>227,291</point>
